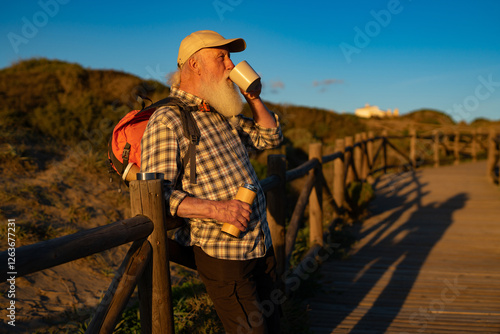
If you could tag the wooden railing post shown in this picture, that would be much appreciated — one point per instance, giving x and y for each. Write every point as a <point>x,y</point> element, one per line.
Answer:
<point>435,135</point>
<point>276,213</point>
<point>358,157</point>
<point>456,148</point>
<point>384,143</point>
<point>316,198</point>
<point>474,145</point>
<point>369,150</point>
<point>349,173</point>
<point>446,143</point>
<point>413,147</point>
<point>338,176</point>
<point>147,198</point>
<point>364,153</point>
<point>492,155</point>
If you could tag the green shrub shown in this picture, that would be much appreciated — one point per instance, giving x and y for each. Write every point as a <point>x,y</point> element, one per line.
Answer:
<point>193,312</point>
<point>359,196</point>
<point>260,169</point>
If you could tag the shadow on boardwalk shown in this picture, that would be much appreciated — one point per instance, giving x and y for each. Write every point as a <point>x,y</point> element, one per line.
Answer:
<point>372,286</point>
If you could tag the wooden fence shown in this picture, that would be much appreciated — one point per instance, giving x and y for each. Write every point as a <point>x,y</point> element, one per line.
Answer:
<point>146,265</point>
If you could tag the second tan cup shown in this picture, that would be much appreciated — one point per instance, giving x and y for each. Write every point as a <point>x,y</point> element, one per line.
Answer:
<point>246,193</point>
<point>244,76</point>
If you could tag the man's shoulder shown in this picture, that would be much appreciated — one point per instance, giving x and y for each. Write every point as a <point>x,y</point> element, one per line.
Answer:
<point>167,115</point>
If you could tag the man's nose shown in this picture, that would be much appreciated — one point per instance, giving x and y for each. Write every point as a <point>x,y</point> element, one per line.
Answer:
<point>229,64</point>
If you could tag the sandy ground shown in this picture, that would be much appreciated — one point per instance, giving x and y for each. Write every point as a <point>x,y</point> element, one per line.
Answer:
<point>51,203</point>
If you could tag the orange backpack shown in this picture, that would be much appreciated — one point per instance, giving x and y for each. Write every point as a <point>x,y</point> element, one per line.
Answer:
<point>124,146</point>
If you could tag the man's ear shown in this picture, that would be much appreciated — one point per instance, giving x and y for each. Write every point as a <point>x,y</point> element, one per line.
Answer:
<point>194,65</point>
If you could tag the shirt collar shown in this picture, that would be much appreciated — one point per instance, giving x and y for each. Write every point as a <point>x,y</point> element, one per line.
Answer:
<point>190,99</point>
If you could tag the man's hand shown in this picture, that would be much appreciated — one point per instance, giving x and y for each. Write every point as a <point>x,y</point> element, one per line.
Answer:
<point>234,212</point>
<point>255,94</point>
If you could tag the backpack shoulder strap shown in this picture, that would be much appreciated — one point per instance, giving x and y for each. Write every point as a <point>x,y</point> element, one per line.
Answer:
<point>120,168</point>
<point>189,127</point>
<point>192,133</point>
<point>171,100</point>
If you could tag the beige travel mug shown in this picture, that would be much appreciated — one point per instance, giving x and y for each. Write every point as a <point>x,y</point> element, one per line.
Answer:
<point>245,77</point>
<point>246,193</point>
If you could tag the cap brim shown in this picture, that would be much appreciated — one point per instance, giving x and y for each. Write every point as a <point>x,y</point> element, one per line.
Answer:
<point>233,45</point>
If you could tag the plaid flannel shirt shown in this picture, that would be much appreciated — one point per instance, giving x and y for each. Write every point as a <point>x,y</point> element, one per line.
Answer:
<point>222,165</point>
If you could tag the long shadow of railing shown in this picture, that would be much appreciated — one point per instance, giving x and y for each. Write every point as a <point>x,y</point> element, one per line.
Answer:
<point>396,249</point>
<point>146,264</point>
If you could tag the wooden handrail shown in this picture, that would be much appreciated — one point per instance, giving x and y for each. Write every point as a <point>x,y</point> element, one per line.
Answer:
<point>301,170</point>
<point>399,152</point>
<point>329,194</point>
<point>298,213</point>
<point>332,157</point>
<point>269,182</point>
<point>50,253</point>
<point>121,288</point>
<point>397,137</point>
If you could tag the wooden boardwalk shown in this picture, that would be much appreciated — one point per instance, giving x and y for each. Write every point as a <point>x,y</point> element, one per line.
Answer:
<point>427,260</point>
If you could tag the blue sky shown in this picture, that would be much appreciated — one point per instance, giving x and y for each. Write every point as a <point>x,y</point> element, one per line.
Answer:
<point>336,55</point>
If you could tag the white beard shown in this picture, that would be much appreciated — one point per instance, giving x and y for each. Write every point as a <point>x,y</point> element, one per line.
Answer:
<point>224,96</point>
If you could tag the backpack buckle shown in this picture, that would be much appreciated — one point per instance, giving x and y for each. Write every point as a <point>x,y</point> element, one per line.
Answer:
<point>126,154</point>
<point>195,139</point>
<point>204,107</point>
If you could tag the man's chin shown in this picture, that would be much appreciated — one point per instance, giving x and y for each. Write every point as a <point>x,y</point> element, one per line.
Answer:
<point>224,96</point>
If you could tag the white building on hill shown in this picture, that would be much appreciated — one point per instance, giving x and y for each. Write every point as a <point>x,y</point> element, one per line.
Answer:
<point>373,111</point>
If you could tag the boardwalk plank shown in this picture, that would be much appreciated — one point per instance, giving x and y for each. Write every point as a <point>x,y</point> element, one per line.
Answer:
<point>427,260</point>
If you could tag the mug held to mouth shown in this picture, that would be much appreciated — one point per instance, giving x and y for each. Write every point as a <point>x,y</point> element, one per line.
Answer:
<point>244,76</point>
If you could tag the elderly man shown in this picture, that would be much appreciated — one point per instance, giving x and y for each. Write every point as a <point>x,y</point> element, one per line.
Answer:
<point>238,272</point>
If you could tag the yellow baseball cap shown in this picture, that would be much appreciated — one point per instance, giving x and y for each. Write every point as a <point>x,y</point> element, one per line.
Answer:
<point>206,39</point>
